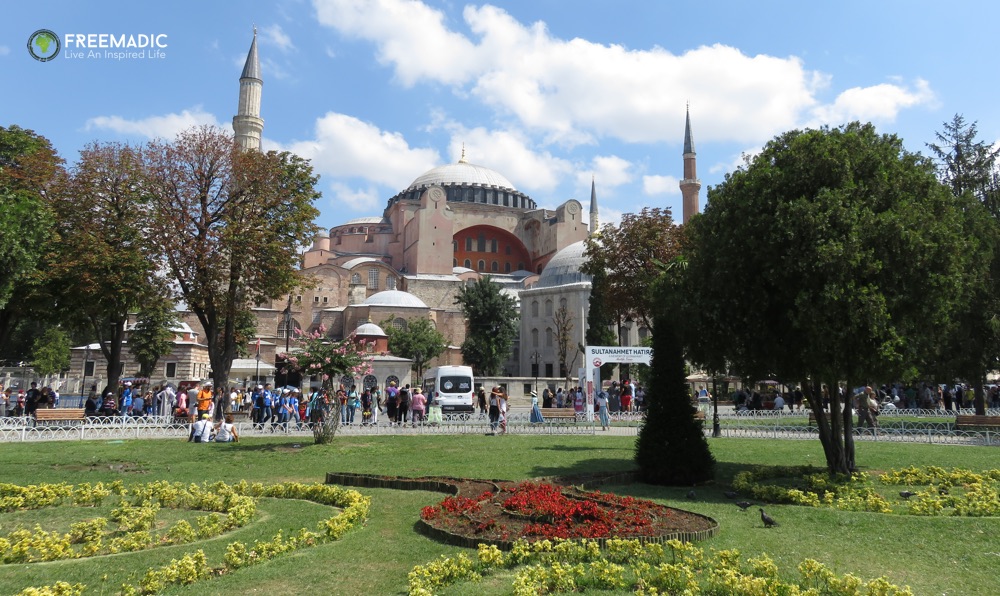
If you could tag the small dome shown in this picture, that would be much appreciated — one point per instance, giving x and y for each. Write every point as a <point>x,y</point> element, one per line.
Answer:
<point>461,173</point>
<point>369,329</point>
<point>564,268</point>
<point>395,298</point>
<point>359,261</point>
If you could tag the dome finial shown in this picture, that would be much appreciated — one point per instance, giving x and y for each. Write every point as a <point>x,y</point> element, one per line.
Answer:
<point>462,159</point>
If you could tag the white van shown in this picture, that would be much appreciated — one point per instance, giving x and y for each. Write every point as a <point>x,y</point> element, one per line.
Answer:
<point>450,387</point>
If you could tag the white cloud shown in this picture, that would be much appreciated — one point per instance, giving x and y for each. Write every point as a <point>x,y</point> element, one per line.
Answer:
<point>4,50</point>
<point>879,102</point>
<point>608,216</point>
<point>511,153</point>
<point>607,171</point>
<point>356,199</point>
<point>165,127</point>
<point>276,36</point>
<point>660,185</point>
<point>576,91</point>
<point>347,147</point>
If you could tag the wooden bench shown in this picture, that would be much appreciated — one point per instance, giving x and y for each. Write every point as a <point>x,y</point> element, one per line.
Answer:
<point>59,416</point>
<point>963,422</point>
<point>560,414</point>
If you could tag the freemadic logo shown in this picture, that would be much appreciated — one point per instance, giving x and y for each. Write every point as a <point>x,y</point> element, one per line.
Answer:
<point>44,45</point>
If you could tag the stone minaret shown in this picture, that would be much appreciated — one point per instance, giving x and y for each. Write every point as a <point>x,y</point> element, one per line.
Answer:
<point>690,185</point>
<point>594,227</point>
<point>247,122</point>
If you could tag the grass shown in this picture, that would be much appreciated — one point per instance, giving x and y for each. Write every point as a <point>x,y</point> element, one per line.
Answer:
<point>933,555</point>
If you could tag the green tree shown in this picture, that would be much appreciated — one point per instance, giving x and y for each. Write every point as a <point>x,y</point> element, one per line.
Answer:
<point>230,224</point>
<point>969,167</point>
<point>671,448</point>
<point>29,168</point>
<point>419,340</point>
<point>831,256</point>
<point>51,352</point>
<point>152,335</point>
<point>103,266</point>
<point>492,327</point>
<point>600,320</point>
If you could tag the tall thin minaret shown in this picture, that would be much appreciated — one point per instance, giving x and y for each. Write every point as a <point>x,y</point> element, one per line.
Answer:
<point>247,122</point>
<point>594,226</point>
<point>690,185</point>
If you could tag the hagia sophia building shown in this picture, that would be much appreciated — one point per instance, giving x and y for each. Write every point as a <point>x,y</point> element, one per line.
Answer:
<point>451,226</point>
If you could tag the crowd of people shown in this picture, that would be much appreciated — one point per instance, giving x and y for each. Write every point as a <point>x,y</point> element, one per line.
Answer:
<point>24,403</point>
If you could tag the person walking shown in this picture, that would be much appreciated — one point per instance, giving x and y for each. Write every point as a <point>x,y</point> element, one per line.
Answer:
<point>494,405</point>
<point>419,405</point>
<point>602,409</point>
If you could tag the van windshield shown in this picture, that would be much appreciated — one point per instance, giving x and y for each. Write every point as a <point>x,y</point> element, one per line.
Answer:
<point>456,384</point>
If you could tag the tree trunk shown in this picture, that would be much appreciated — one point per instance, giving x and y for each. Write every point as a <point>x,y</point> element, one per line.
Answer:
<point>848,430</point>
<point>979,397</point>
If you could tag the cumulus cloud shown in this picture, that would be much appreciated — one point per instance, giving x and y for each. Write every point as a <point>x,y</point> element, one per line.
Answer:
<point>356,199</point>
<point>660,185</point>
<point>879,102</point>
<point>511,153</point>
<point>276,36</point>
<point>345,146</point>
<point>165,127</point>
<point>607,171</point>
<point>577,91</point>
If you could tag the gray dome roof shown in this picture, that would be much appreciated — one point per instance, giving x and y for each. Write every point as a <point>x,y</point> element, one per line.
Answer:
<point>395,298</point>
<point>461,173</point>
<point>369,329</point>
<point>564,268</point>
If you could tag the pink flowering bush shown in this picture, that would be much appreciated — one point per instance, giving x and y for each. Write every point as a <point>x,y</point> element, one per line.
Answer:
<point>322,357</point>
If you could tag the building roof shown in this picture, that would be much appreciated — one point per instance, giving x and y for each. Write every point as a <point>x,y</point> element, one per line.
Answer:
<point>360,260</point>
<point>251,69</point>
<point>564,267</point>
<point>688,137</point>
<point>363,220</point>
<point>395,298</point>
<point>369,329</point>
<point>461,173</point>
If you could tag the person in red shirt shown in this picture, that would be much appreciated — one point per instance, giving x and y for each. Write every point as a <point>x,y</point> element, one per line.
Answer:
<point>204,399</point>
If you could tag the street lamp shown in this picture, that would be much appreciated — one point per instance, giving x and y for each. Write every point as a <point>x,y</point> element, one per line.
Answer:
<point>86,357</point>
<point>716,428</point>
<point>419,361</point>
<point>535,359</point>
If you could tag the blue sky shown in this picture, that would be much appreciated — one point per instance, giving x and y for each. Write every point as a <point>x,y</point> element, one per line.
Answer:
<point>548,93</point>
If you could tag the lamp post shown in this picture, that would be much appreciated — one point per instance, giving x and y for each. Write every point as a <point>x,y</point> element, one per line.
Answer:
<point>716,429</point>
<point>86,357</point>
<point>536,358</point>
<point>419,361</point>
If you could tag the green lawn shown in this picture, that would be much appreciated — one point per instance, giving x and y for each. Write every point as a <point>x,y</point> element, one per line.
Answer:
<point>933,555</point>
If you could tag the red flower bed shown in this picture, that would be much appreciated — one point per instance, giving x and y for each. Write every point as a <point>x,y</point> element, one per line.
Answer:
<point>537,511</point>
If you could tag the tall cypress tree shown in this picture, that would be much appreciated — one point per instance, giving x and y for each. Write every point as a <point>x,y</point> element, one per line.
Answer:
<point>671,448</point>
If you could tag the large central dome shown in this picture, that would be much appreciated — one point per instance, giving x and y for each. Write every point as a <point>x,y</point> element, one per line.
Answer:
<point>464,182</point>
<point>461,173</point>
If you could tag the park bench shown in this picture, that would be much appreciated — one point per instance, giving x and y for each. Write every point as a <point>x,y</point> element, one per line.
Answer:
<point>59,416</point>
<point>963,422</point>
<point>559,414</point>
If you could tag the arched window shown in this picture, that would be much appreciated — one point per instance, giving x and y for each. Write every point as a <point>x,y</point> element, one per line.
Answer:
<point>373,279</point>
<point>346,381</point>
<point>281,327</point>
<point>548,337</point>
<point>494,245</point>
<point>390,282</point>
<point>534,308</point>
<point>562,303</point>
<point>369,382</point>
<point>468,264</point>
<point>520,266</point>
<point>454,262</point>
<point>481,243</point>
<point>392,379</point>
<point>494,267</point>
<point>454,245</point>
<point>506,249</point>
<point>468,244</point>
<point>548,308</point>
<point>534,338</point>
<point>482,265</point>
<point>355,278</point>
<point>506,267</point>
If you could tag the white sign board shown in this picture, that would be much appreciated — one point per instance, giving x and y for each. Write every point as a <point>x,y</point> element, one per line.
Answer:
<point>597,356</point>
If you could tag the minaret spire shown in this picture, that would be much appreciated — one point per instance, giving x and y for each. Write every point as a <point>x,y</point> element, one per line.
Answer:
<point>247,123</point>
<point>594,226</point>
<point>690,185</point>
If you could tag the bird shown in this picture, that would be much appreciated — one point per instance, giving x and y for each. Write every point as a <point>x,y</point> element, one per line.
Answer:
<point>767,519</point>
<point>692,495</point>
<point>744,505</point>
<point>906,494</point>
<point>731,494</point>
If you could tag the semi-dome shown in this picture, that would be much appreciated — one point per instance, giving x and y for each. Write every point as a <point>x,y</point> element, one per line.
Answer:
<point>461,173</point>
<point>369,329</point>
<point>564,268</point>
<point>396,299</point>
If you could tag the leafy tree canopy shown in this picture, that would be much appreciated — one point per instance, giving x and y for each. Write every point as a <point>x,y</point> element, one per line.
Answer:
<point>419,341</point>
<point>492,327</point>
<point>831,255</point>
<point>51,352</point>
